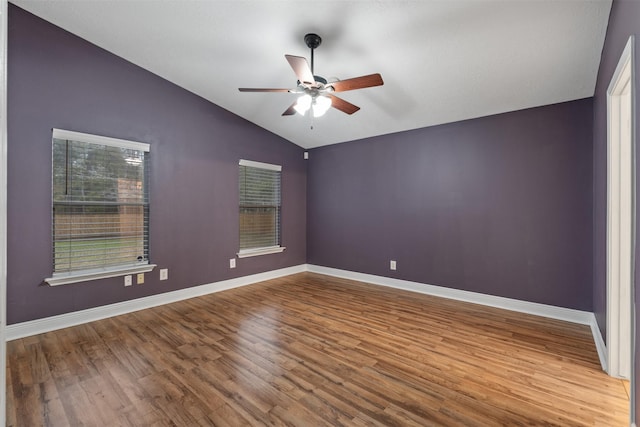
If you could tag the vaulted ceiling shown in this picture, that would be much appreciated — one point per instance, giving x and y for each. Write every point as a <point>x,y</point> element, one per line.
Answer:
<point>441,61</point>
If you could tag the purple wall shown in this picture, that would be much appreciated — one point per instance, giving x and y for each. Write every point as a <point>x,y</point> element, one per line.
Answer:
<point>624,21</point>
<point>59,80</point>
<point>499,205</point>
<point>511,205</point>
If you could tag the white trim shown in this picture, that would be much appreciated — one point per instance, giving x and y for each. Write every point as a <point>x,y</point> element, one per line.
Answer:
<point>3,207</point>
<point>627,54</point>
<point>601,347</point>
<point>260,165</point>
<point>620,214</point>
<point>544,310</point>
<point>101,273</point>
<point>550,311</point>
<point>38,326</point>
<point>101,140</point>
<point>245,253</point>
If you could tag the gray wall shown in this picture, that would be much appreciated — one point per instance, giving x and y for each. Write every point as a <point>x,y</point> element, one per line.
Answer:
<point>499,205</point>
<point>624,21</point>
<point>57,80</point>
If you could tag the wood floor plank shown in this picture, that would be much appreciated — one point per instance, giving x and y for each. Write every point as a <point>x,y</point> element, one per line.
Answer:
<point>306,350</point>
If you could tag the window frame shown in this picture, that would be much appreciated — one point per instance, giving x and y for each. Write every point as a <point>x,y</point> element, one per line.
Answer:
<point>75,276</point>
<point>265,250</point>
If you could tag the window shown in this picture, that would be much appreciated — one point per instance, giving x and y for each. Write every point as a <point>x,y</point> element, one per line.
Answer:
<point>100,209</point>
<point>259,208</point>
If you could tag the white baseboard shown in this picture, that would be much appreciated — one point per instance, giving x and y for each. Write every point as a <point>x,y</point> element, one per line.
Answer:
<point>38,326</point>
<point>601,346</point>
<point>553,312</point>
<point>550,311</point>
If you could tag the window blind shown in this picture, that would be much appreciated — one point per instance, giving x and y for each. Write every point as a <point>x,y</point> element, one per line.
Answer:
<point>100,203</point>
<point>259,205</point>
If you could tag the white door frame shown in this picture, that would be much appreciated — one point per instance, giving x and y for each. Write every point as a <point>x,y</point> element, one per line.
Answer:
<point>3,209</point>
<point>620,214</point>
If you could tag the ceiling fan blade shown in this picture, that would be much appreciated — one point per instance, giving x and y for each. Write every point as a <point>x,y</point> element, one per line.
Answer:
<point>291,110</point>
<point>251,89</point>
<point>357,83</point>
<point>301,68</point>
<point>342,105</point>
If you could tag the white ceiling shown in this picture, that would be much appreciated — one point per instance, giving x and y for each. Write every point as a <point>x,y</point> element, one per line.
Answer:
<point>441,61</point>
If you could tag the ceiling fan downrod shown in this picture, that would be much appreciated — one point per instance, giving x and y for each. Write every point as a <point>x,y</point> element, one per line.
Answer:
<point>313,41</point>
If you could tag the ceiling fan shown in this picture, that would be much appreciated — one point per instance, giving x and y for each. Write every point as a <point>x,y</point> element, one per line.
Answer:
<point>316,92</point>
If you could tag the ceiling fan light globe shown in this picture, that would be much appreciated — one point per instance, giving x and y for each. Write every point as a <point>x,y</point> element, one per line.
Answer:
<point>321,105</point>
<point>303,104</point>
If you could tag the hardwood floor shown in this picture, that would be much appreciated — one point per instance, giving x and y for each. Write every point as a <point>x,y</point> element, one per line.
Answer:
<point>309,350</point>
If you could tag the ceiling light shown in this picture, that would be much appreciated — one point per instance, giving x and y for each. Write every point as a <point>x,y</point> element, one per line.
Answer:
<point>303,104</point>
<point>320,105</point>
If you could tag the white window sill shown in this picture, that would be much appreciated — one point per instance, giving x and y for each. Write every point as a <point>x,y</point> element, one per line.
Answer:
<point>245,253</point>
<point>102,273</point>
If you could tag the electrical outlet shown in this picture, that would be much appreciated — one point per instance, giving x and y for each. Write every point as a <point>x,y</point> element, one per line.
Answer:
<point>164,273</point>
<point>392,265</point>
<point>128,280</point>
<point>232,263</point>
<point>140,279</point>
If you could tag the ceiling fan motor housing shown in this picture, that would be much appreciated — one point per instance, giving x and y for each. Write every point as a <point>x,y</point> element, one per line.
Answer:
<point>318,79</point>
<point>312,40</point>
